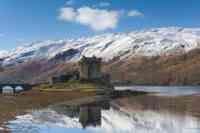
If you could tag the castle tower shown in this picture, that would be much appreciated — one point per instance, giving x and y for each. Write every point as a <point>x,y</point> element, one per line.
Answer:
<point>90,68</point>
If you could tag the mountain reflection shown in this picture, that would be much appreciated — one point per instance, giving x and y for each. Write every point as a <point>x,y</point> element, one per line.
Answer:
<point>103,117</point>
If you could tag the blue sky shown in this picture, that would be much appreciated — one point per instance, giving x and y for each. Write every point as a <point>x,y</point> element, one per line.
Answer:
<point>25,21</point>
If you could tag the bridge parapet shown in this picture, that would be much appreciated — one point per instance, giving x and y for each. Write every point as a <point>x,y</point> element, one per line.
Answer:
<point>14,88</point>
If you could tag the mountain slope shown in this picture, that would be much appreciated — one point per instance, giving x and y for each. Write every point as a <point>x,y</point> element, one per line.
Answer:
<point>153,42</point>
<point>161,70</point>
<point>160,56</point>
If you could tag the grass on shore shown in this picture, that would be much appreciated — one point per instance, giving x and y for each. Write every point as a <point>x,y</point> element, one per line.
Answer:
<point>69,86</point>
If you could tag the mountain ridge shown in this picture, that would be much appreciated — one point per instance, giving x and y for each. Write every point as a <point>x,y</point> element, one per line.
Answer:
<point>164,56</point>
<point>152,42</point>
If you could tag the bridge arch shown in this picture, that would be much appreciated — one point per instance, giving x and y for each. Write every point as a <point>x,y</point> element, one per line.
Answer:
<point>8,89</point>
<point>19,89</point>
<point>14,88</point>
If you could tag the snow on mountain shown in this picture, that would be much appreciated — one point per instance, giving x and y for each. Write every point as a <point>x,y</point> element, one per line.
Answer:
<point>152,42</point>
<point>3,53</point>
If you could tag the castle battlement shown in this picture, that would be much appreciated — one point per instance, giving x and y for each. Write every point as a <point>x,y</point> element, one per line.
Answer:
<point>90,60</point>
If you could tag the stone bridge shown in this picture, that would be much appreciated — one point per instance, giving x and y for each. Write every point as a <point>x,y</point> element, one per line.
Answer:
<point>14,88</point>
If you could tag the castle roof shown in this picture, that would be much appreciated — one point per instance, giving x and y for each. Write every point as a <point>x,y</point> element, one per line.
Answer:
<point>93,59</point>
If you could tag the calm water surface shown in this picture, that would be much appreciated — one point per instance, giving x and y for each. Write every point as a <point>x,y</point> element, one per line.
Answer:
<point>165,90</point>
<point>112,117</point>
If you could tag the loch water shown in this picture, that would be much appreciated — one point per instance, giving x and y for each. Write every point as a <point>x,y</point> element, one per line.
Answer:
<point>144,114</point>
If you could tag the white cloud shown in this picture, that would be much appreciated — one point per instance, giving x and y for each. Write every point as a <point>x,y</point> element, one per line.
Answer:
<point>67,14</point>
<point>97,19</point>
<point>104,4</point>
<point>135,13</point>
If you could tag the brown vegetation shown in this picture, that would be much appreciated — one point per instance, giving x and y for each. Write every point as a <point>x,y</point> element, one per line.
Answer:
<point>165,70</point>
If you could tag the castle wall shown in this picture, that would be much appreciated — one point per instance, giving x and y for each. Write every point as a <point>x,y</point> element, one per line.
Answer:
<point>90,68</point>
<point>84,70</point>
<point>95,71</point>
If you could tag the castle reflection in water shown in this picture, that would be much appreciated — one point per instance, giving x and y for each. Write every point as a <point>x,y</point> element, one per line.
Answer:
<point>88,114</point>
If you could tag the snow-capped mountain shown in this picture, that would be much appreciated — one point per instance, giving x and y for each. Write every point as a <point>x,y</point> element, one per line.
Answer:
<point>152,42</point>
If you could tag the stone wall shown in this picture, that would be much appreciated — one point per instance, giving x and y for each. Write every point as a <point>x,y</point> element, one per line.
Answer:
<point>90,68</point>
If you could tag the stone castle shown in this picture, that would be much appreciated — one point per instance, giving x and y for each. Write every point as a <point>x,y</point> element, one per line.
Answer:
<point>90,68</point>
